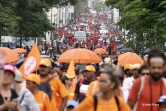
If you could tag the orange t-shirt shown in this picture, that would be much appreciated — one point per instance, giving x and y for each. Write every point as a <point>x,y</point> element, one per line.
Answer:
<point>58,91</point>
<point>145,94</point>
<point>43,101</point>
<point>70,92</point>
<point>110,105</point>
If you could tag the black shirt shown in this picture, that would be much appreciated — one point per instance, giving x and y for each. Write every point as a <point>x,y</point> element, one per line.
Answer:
<point>13,96</point>
<point>82,88</point>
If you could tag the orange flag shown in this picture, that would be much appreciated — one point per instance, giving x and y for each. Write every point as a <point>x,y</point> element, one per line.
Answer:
<point>32,62</point>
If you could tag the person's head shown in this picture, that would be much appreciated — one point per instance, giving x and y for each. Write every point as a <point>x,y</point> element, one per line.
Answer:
<point>116,61</point>
<point>108,82</point>
<point>144,70</point>
<point>9,74</point>
<point>56,73</point>
<point>67,80</point>
<point>18,77</point>
<point>119,73</point>
<point>71,105</point>
<point>32,82</point>
<point>44,67</point>
<point>156,62</point>
<point>89,72</point>
<point>128,70</point>
<point>105,67</point>
<point>162,103</point>
<point>136,68</point>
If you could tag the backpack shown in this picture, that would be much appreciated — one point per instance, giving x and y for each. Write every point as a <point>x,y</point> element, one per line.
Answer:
<point>45,87</point>
<point>96,102</point>
<point>140,91</point>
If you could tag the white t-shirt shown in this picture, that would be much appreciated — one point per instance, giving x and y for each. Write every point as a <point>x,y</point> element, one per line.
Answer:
<point>125,92</point>
<point>128,82</point>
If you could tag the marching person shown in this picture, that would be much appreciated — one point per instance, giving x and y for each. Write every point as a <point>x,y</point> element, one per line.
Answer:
<point>83,84</point>
<point>32,83</point>
<point>57,87</point>
<point>147,90</point>
<point>8,96</point>
<point>104,100</point>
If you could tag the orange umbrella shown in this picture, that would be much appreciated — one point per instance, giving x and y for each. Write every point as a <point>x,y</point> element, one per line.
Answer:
<point>20,50</point>
<point>11,55</point>
<point>100,51</point>
<point>129,58</point>
<point>79,56</point>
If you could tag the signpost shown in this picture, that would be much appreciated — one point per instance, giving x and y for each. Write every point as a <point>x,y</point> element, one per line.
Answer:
<point>71,10</point>
<point>80,35</point>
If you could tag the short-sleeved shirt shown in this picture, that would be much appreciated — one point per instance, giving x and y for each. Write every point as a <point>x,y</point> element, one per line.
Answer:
<point>27,102</point>
<point>128,82</point>
<point>58,91</point>
<point>81,89</point>
<point>110,105</point>
<point>145,98</point>
<point>13,96</point>
<point>43,101</point>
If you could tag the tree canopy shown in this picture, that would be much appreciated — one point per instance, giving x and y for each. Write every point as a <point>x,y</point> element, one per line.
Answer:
<point>28,18</point>
<point>145,21</point>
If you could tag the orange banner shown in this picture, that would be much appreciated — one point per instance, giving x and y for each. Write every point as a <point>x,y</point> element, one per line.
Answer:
<point>32,62</point>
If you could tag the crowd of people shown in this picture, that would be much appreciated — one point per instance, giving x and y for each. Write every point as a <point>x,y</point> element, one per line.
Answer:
<point>100,33</point>
<point>110,88</point>
<point>105,86</point>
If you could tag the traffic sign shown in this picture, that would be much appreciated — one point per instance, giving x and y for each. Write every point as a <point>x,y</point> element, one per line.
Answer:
<point>71,9</point>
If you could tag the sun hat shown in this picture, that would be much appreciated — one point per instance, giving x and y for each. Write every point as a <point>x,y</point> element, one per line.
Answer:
<point>34,78</point>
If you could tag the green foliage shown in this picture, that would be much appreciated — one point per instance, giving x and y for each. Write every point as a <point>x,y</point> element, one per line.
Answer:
<point>99,6</point>
<point>144,18</point>
<point>27,18</point>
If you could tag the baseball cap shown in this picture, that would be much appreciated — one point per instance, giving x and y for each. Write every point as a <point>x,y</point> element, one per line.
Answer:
<point>128,66</point>
<point>162,99</point>
<point>18,76</point>
<point>72,103</point>
<point>90,68</point>
<point>45,62</point>
<point>34,78</point>
<point>136,66</point>
<point>11,68</point>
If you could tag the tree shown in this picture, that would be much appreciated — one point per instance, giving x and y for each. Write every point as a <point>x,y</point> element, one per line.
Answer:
<point>28,18</point>
<point>144,18</point>
<point>99,6</point>
<point>8,19</point>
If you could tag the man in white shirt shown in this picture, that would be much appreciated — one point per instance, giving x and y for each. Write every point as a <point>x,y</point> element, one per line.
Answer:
<point>25,97</point>
<point>128,82</point>
<point>107,59</point>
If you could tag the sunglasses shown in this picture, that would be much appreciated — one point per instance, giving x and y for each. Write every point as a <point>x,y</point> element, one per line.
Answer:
<point>145,74</point>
